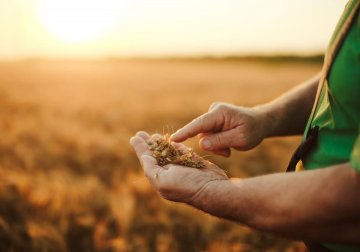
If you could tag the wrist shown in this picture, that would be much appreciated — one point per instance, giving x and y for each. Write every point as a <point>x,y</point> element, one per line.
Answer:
<point>221,198</point>
<point>269,118</point>
<point>209,196</point>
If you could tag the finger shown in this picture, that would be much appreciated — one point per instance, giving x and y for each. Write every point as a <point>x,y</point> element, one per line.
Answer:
<point>223,152</point>
<point>151,169</point>
<point>207,122</point>
<point>188,151</point>
<point>185,150</point>
<point>201,135</point>
<point>181,147</point>
<point>144,135</point>
<point>156,136</point>
<point>140,146</point>
<point>219,141</point>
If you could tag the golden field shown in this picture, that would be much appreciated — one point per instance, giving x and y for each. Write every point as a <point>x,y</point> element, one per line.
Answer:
<point>69,180</point>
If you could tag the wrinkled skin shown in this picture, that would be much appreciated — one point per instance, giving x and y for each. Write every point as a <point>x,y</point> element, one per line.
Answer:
<point>174,182</point>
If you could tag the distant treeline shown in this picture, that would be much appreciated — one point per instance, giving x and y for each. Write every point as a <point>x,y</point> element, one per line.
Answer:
<point>277,58</point>
<point>316,59</point>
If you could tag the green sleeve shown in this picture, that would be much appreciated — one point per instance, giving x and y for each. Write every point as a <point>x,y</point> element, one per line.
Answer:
<point>355,154</point>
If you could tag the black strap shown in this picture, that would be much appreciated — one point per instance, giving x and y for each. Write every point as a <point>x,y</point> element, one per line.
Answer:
<point>316,247</point>
<point>303,149</point>
<point>301,152</point>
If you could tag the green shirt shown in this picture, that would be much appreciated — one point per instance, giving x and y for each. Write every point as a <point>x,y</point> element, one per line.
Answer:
<point>338,111</point>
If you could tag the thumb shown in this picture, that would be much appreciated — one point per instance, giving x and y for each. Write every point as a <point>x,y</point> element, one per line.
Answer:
<point>219,141</point>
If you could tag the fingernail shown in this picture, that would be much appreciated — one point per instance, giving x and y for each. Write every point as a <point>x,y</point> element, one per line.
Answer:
<point>206,144</point>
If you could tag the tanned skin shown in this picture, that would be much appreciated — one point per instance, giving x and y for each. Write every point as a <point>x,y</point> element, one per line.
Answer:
<point>319,205</point>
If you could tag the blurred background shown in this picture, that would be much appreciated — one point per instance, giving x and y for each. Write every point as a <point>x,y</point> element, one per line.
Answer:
<point>79,77</point>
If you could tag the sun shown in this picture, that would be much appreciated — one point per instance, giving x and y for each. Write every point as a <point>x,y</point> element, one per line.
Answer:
<point>77,21</point>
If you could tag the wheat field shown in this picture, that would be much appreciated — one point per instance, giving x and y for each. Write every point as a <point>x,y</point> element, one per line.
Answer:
<point>69,180</point>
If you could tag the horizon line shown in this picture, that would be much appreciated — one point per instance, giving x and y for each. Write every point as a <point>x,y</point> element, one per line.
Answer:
<point>314,57</point>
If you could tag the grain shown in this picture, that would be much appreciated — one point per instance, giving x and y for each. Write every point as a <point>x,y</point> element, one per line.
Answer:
<point>165,152</point>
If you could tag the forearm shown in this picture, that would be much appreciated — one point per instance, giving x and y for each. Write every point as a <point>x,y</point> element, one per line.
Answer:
<point>288,114</point>
<point>319,205</point>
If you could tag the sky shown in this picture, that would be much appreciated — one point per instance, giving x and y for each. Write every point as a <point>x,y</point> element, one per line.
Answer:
<point>162,28</point>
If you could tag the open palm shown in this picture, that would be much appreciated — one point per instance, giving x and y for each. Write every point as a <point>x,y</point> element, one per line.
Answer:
<point>175,182</point>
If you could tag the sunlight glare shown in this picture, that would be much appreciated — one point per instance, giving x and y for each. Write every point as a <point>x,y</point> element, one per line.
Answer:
<point>80,20</point>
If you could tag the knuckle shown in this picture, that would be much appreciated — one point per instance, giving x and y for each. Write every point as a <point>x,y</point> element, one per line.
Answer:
<point>213,105</point>
<point>222,108</point>
<point>218,106</point>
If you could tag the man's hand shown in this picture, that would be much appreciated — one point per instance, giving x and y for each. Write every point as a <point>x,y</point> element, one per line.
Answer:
<point>328,211</point>
<point>174,182</point>
<point>226,126</point>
